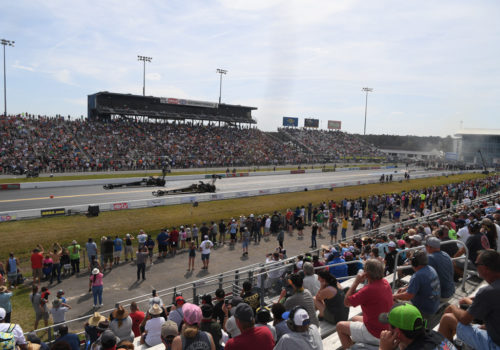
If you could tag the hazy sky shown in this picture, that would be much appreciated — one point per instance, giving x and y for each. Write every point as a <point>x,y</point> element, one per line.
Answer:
<point>431,64</point>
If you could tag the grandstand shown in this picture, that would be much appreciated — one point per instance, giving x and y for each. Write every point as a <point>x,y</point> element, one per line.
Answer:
<point>471,141</point>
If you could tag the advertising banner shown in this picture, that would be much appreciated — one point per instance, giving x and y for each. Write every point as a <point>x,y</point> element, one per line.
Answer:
<point>120,206</point>
<point>311,123</point>
<point>52,212</point>
<point>289,121</point>
<point>4,218</point>
<point>178,101</point>
<point>334,124</point>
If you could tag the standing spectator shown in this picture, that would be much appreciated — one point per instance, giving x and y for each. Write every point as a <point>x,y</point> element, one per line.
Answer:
<point>219,298</point>
<point>129,250</point>
<point>424,289</point>
<point>191,336</point>
<point>182,237</point>
<point>345,224</point>
<point>37,263</point>
<point>91,248</point>
<point>5,303</point>
<point>58,312</point>
<point>137,317</point>
<point>174,241</point>
<point>300,297</point>
<point>205,247</point>
<point>281,237</point>
<point>39,303</point>
<point>118,247</point>
<point>484,306</point>
<point>222,232</point>
<point>334,228</point>
<point>108,246</point>
<point>150,245</point>
<point>12,270</point>
<point>194,235</point>
<point>303,335</point>
<point>245,240</point>
<point>441,262</point>
<point>374,298</point>
<point>233,229</point>
<point>192,256</point>
<point>152,330</point>
<point>142,257</point>
<point>96,286</point>
<point>214,228</point>
<point>162,239</point>
<point>121,324</point>
<point>204,230</point>
<point>141,238</point>
<point>314,233</point>
<point>74,256</point>
<point>330,299</point>
<point>15,329</point>
<point>55,255</point>
<point>251,337</point>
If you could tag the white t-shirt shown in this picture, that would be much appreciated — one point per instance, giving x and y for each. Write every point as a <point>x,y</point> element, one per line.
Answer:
<point>142,238</point>
<point>463,234</point>
<point>153,327</point>
<point>17,331</point>
<point>205,246</point>
<point>58,314</point>
<point>268,223</point>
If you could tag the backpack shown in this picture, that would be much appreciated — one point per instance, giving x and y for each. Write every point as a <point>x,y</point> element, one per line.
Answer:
<point>7,340</point>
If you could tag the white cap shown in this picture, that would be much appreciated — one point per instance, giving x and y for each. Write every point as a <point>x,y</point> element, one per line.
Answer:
<point>301,318</point>
<point>205,237</point>
<point>2,313</point>
<point>392,244</point>
<point>95,271</point>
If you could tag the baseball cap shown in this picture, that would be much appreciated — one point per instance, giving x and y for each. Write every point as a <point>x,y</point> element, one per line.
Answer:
<point>108,339</point>
<point>3,313</point>
<point>169,328</point>
<point>417,238</point>
<point>433,242</point>
<point>180,299</point>
<point>401,242</point>
<point>300,317</point>
<point>192,313</point>
<point>205,237</point>
<point>60,292</point>
<point>244,312</point>
<point>236,300</point>
<point>403,316</point>
<point>392,244</point>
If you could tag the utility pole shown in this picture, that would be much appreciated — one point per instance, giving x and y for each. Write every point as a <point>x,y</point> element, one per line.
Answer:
<point>144,59</point>
<point>5,42</point>
<point>221,71</point>
<point>367,90</point>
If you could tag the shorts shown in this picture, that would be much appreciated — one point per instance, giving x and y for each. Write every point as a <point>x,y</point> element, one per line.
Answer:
<point>173,244</point>
<point>162,248</point>
<point>117,253</point>
<point>108,257</point>
<point>245,244</point>
<point>150,252</point>
<point>205,256</point>
<point>359,334</point>
<point>233,236</point>
<point>475,337</point>
<point>41,316</point>
<point>37,273</point>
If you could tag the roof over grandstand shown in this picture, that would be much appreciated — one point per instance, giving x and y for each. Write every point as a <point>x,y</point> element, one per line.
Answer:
<point>478,132</point>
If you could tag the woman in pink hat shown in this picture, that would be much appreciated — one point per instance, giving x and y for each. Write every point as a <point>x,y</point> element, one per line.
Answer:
<point>190,333</point>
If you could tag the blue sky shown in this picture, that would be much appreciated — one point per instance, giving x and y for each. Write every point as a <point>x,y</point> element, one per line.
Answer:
<point>431,64</point>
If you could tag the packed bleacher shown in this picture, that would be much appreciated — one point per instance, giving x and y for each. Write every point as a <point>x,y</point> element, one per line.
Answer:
<point>58,144</point>
<point>321,299</point>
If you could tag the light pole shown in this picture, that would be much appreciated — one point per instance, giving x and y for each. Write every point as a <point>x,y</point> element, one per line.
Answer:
<point>144,59</point>
<point>5,42</point>
<point>367,90</point>
<point>221,71</point>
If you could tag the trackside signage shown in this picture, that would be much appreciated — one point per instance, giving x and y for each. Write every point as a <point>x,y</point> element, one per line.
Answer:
<point>52,212</point>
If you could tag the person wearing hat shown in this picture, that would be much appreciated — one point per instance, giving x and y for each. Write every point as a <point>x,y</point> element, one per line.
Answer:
<point>176,310</point>
<point>107,340</point>
<point>121,324</point>
<point>205,247</point>
<point>484,306</point>
<point>303,335</point>
<point>209,325</point>
<point>96,286</point>
<point>191,335</point>
<point>441,262</point>
<point>91,331</point>
<point>424,289</point>
<point>408,331</point>
<point>13,328</point>
<point>58,311</point>
<point>300,297</point>
<point>229,323</point>
<point>152,329</point>
<point>5,303</point>
<point>262,319</point>
<point>251,337</point>
<point>169,331</point>
<point>59,295</point>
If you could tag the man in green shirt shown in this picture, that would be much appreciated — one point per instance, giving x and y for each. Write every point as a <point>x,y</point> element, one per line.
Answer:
<point>74,256</point>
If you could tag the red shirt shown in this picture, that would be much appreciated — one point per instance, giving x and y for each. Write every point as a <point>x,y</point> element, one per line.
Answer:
<point>174,236</point>
<point>259,338</point>
<point>137,318</point>
<point>374,298</point>
<point>36,260</point>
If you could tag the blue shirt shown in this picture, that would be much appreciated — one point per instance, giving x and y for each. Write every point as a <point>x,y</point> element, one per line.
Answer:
<point>162,238</point>
<point>5,301</point>
<point>118,244</point>
<point>441,262</point>
<point>425,286</point>
<point>340,270</point>
<point>71,339</point>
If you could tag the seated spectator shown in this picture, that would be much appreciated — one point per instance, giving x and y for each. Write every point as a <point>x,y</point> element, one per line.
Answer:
<point>91,331</point>
<point>340,270</point>
<point>251,337</point>
<point>107,340</point>
<point>441,262</point>
<point>303,335</point>
<point>5,303</point>
<point>408,329</point>
<point>121,325</point>
<point>250,297</point>
<point>191,336</point>
<point>70,338</point>
<point>310,281</point>
<point>13,328</point>
<point>169,331</point>
<point>279,322</point>
<point>209,325</point>
<point>475,242</point>
<point>300,297</point>
<point>33,340</point>
<point>484,306</point>
<point>176,311</point>
<point>152,329</point>
<point>374,299</point>
<point>390,258</point>
<point>330,299</point>
<point>449,248</point>
<point>262,318</point>
<point>219,302</point>
<point>424,289</point>
<point>137,317</point>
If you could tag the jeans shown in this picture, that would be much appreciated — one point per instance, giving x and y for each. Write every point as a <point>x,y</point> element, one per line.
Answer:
<point>56,272</point>
<point>313,241</point>
<point>75,265</point>
<point>475,337</point>
<point>141,268</point>
<point>343,232</point>
<point>97,293</point>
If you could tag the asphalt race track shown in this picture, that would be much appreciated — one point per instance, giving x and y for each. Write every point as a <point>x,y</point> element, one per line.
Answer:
<point>68,196</point>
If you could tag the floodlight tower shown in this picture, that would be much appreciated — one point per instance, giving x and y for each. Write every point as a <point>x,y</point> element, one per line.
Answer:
<point>221,71</point>
<point>144,59</point>
<point>5,42</point>
<point>367,90</point>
